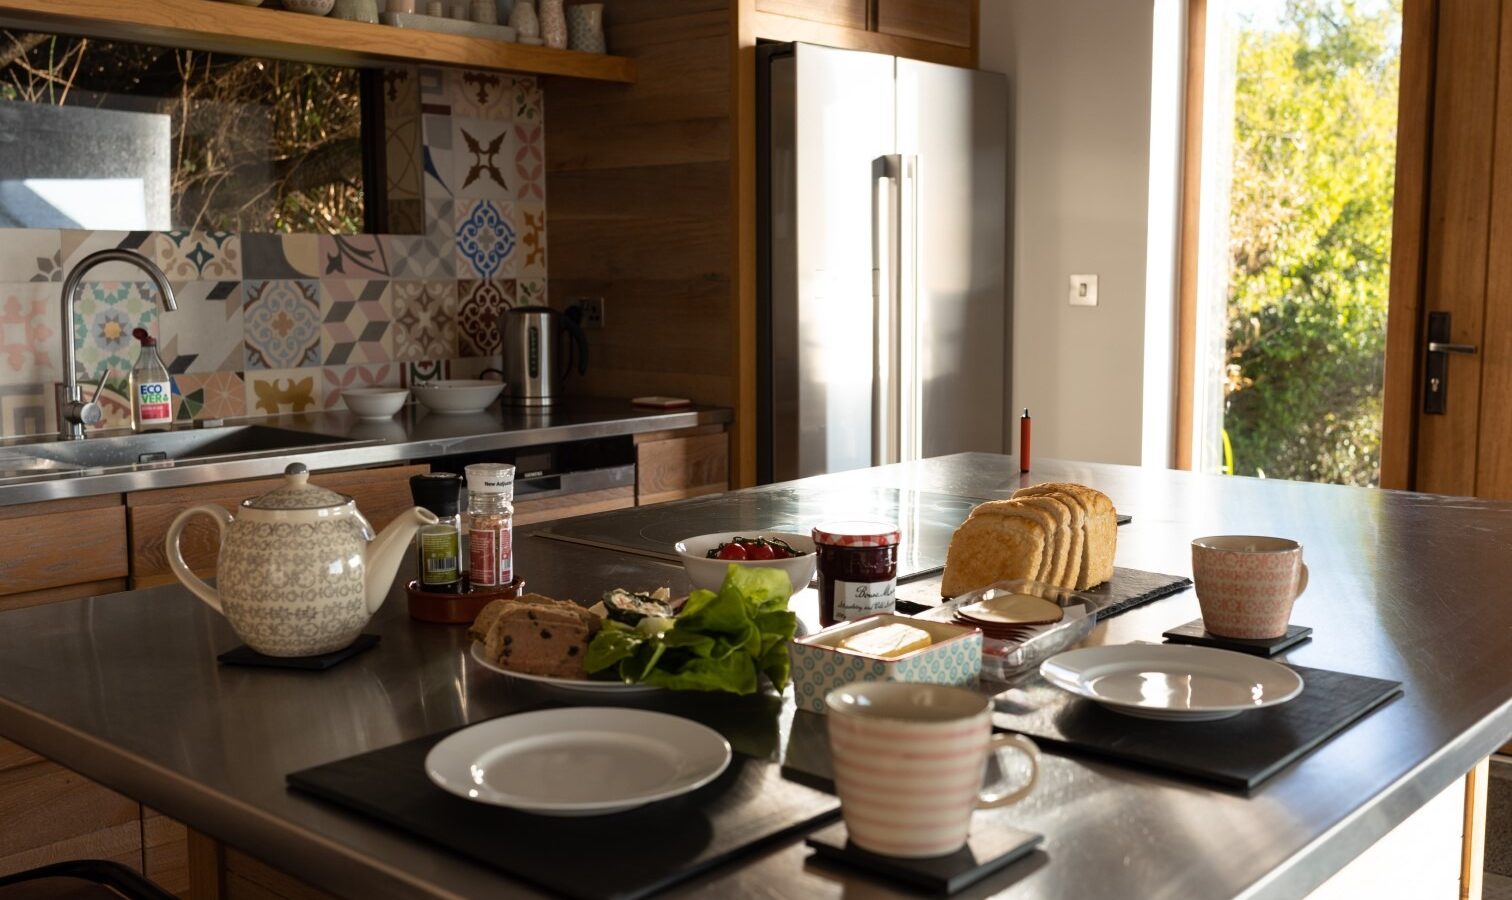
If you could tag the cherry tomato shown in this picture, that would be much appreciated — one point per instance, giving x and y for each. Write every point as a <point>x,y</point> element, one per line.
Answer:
<point>732,551</point>
<point>760,550</point>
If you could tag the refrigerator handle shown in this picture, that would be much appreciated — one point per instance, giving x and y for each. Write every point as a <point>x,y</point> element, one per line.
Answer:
<point>909,389</point>
<point>887,277</point>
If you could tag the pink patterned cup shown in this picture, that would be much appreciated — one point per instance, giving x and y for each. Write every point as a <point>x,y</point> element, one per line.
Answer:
<point>1246,585</point>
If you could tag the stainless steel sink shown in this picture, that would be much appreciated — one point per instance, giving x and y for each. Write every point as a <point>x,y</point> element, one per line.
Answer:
<point>169,446</point>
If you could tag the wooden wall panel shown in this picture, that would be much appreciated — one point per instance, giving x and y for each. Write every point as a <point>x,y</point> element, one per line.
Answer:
<point>638,188</point>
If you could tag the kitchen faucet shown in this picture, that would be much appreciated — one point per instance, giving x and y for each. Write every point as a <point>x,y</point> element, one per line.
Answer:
<point>73,412</point>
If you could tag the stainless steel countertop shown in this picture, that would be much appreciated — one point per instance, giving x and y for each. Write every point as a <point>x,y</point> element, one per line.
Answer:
<point>415,433</point>
<point>125,689</point>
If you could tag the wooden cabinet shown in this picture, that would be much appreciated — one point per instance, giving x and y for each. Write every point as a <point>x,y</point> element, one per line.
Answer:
<point>529,512</point>
<point>381,494</point>
<point>848,13</point>
<point>62,549</point>
<point>673,465</point>
<point>941,21</point>
<point>49,814</point>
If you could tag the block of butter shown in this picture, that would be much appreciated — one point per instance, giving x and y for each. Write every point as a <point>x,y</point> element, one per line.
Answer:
<point>888,641</point>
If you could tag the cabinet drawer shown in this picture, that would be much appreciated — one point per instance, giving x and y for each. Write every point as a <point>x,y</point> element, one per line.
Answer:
<point>64,542</point>
<point>682,467</point>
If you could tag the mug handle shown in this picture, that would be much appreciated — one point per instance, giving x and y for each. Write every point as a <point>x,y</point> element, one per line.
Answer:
<point>1000,742</point>
<point>176,557</point>
<point>1301,580</point>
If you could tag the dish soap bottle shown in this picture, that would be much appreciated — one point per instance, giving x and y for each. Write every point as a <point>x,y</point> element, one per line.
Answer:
<point>151,387</point>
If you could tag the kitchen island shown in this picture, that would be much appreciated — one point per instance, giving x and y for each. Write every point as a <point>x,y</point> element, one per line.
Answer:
<point>125,689</point>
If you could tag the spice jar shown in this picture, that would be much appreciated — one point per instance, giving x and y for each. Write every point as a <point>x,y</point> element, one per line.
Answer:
<point>439,546</point>
<point>858,569</point>
<point>490,522</point>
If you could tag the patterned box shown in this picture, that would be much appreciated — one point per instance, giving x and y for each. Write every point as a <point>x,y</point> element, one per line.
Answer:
<point>819,666</point>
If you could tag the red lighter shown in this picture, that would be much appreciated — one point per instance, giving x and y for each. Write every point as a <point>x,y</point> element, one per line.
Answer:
<point>1024,426</point>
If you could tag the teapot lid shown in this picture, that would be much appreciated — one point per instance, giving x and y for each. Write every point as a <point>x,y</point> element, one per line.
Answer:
<point>297,493</point>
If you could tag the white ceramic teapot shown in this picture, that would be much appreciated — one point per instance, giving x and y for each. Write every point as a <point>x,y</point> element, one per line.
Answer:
<point>300,569</point>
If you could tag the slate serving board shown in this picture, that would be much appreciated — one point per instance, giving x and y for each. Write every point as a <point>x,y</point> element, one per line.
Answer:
<point>1239,752</point>
<point>750,805</point>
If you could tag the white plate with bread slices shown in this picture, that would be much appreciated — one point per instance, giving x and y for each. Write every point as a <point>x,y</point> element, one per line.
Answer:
<point>1059,534</point>
<point>578,761</point>
<point>1172,682</point>
<point>582,685</point>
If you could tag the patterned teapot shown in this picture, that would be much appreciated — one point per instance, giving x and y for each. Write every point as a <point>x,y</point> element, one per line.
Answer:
<point>300,569</point>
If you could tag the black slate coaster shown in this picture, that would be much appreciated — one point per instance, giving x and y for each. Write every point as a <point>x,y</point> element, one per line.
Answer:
<point>1129,588</point>
<point>1238,752</point>
<point>987,850</point>
<point>624,855</point>
<point>246,656</point>
<point>1123,519</point>
<point>1193,633</point>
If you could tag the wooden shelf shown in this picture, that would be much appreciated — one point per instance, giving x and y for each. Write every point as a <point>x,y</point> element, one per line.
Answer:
<point>250,31</point>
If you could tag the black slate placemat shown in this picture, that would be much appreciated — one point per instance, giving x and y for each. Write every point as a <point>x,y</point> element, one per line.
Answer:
<point>1129,588</point>
<point>987,850</point>
<point>624,855</point>
<point>245,656</point>
<point>1238,752</point>
<point>1193,633</point>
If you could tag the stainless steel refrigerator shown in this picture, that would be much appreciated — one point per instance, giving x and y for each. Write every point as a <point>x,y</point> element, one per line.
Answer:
<point>882,309</point>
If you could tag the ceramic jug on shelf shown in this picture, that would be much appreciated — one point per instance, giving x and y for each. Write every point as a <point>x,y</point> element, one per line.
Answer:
<point>300,570</point>
<point>554,24</point>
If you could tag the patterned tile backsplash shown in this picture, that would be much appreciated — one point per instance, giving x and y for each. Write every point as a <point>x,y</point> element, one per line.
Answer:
<point>272,323</point>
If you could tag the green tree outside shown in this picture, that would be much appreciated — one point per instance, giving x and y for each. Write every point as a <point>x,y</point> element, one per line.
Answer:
<point>1310,239</point>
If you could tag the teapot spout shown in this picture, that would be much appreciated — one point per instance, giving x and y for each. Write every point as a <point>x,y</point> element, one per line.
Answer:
<point>386,552</point>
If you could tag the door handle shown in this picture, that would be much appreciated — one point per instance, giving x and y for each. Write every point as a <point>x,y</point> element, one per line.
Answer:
<point>887,285</point>
<point>1436,365</point>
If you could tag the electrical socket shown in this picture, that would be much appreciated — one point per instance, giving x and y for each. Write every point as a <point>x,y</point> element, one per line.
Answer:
<point>593,311</point>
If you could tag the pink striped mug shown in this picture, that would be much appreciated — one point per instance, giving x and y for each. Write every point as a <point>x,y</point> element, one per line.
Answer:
<point>1246,585</point>
<point>909,764</point>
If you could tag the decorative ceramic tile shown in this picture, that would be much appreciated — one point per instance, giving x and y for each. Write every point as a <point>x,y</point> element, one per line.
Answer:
<point>532,219</point>
<point>530,292</point>
<point>209,395</point>
<point>280,256</point>
<point>433,91</point>
<point>528,103</point>
<point>530,161</point>
<point>486,239</point>
<point>483,95</point>
<point>31,345</point>
<point>353,256</point>
<point>481,157</point>
<point>401,158</point>
<point>76,245</point>
<point>104,318</point>
<point>31,254</point>
<point>339,378</point>
<point>421,371</point>
<point>441,220</point>
<point>401,92</point>
<point>198,255</point>
<point>425,320</point>
<point>205,333</point>
<point>416,257</point>
<point>356,322</point>
<point>478,306</point>
<point>284,391</point>
<point>436,132</point>
<point>281,324</point>
<point>27,409</point>
<point>475,367</point>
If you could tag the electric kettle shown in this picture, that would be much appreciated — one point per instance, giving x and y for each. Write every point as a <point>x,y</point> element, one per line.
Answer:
<point>535,359</point>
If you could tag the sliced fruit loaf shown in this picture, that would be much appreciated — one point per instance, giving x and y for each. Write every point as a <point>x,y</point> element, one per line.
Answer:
<point>1034,514</point>
<point>1100,530</point>
<point>989,548</point>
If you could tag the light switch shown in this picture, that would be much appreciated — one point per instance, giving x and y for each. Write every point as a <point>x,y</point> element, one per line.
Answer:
<point>1083,290</point>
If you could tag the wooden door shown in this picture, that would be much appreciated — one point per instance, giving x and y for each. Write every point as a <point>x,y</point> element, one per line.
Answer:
<point>1451,255</point>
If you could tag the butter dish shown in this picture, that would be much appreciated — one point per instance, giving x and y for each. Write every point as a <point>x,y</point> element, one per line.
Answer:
<point>820,665</point>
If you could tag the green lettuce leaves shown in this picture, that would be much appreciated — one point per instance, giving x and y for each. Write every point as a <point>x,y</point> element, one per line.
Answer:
<point>719,642</point>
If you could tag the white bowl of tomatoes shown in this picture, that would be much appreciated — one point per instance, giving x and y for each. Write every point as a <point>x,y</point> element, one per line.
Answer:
<point>708,556</point>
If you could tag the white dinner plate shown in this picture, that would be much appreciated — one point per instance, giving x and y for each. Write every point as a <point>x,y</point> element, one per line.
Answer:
<point>1171,681</point>
<point>578,761</point>
<point>577,685</point>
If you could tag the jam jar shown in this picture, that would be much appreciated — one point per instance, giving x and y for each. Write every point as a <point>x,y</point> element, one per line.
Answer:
<point>858,569</point>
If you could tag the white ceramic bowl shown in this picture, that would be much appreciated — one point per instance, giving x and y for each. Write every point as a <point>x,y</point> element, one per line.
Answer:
<point>374,402</point>
<point>458,395</point>
<point>709,574</point>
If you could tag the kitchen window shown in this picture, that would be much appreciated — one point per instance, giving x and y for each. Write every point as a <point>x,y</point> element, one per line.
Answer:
<point>108,135</point>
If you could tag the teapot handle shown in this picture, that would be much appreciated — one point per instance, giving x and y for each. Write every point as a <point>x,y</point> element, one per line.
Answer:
<point>176,557</point>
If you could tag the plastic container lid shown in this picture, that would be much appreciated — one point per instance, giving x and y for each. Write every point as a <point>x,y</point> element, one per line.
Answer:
<point>490,478</point>
<point>437,492</point>
<point>857,534</point>
<point>142,335</point>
